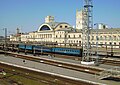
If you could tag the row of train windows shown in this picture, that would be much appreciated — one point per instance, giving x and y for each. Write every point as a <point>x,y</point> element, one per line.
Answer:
<point>68,50</point>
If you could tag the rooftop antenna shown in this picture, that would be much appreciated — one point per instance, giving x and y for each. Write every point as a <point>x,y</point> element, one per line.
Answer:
<point>87,26</point>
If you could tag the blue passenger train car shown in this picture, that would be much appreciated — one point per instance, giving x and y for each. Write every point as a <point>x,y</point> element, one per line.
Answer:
<point>42,48</point>
<point>67,51</point>
<point>57,50</point>
<point>21,46</point>
<point>29,47</point>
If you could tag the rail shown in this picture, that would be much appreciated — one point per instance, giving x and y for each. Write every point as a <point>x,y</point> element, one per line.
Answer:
<point>51,78</point>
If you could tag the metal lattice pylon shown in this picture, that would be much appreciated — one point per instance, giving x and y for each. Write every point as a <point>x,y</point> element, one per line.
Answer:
<point>87,26</point>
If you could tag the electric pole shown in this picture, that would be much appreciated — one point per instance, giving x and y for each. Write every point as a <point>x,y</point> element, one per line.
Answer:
<point>87,26</point>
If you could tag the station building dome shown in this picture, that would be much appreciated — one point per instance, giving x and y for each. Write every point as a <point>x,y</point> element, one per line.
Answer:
<point>53,26</point>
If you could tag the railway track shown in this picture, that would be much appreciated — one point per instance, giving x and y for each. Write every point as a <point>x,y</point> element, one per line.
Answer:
<point>72,66</point>
<point>87,69</point>
<point>107,61</point>
<point>110,61</point>
<point>102,50</point>
<point>44,78</point>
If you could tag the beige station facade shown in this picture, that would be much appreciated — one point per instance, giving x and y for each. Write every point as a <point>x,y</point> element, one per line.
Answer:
<point>62,32</point>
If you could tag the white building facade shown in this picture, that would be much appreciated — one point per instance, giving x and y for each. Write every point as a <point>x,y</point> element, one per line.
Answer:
<point>62,32</point>
<point>79,19</point>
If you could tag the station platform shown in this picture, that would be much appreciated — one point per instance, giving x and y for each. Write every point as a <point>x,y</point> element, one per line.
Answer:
<point>54,69</point>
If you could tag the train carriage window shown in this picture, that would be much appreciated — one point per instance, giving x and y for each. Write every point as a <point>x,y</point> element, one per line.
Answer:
<point>72,50</point>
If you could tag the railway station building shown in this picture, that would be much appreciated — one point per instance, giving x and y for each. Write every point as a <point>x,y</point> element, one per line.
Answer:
<point>63,33</point>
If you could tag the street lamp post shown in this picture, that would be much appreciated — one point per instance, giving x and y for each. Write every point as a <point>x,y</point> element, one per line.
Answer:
<point>41,46</point>
<point>111,44</point>
<point>97,58</point>
<point>5,40</point>
<point>54,42</point>
<point>34,53</point>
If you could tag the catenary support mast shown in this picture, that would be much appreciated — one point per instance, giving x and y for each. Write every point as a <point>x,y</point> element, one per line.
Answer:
<point>87,26</point>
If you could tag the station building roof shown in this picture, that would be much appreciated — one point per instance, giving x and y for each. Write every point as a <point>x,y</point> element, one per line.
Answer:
<point>110,30</point>
<point>51,26</point>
